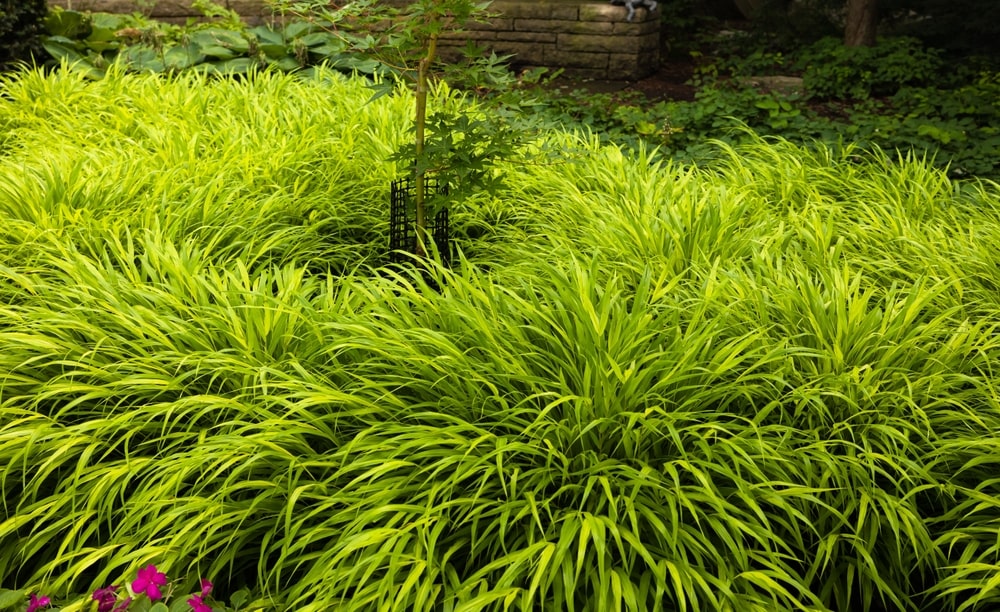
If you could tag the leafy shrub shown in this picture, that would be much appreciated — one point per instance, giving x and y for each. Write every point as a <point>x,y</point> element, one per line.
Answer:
<point>782,26</point>
<point>958,127</point>
<point>755,63</point>
<point>94,42</point>
<point>21,25</point>
<point>960,27</point>
<point>832,70</point>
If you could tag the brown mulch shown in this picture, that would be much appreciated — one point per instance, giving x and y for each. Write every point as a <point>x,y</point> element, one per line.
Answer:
<point>669,82</point>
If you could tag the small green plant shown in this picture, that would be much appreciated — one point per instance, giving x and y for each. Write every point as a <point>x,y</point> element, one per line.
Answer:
<point>956,127</point>
<point>832,70</point>
<point>458,148</point>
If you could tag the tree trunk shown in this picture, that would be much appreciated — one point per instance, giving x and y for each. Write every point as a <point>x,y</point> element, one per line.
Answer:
<point>862,23</point>
<point>420,121</point>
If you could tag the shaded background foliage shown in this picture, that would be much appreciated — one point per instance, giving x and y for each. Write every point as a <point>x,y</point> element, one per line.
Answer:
<point>21,28</point>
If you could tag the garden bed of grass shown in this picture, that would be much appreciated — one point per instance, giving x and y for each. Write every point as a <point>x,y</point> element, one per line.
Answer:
<point>765,382</point>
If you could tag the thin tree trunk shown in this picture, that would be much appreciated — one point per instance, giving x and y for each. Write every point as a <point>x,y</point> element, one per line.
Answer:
<point>862,23</point>
<point>420,121</point>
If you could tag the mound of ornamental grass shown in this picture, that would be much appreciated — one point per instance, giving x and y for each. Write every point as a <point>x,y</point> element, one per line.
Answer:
<point>768,383</point>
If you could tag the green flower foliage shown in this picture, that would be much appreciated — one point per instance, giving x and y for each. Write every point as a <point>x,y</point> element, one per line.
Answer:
<point>763,383</point>
<point>832,70</point>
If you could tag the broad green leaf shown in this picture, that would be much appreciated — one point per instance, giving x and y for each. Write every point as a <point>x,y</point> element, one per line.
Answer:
<point>62,49</point>
<point>217,51</point>
<point>66,23</point>
<point>180,57</point>
<point>9,598</point>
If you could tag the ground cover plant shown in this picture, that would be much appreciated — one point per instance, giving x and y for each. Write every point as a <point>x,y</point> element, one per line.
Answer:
<point>762,383</point>
<point>899,96</point>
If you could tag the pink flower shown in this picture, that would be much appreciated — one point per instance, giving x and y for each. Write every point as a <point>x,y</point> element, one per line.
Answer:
<point>149,581</point>
<point>41,602</point>
<point>206,587</point>
<point>198,605</point>
<point>123,605</point>
<point>105,598</point>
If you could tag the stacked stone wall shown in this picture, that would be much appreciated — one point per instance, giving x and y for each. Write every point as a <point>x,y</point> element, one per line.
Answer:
<point>586,39</point>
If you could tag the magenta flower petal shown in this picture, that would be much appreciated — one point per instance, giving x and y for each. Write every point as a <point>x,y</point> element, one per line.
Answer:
<point>197,605</point>
<point>148,581</point>
<point>36,602</point>
<point>123,605</point>
<point>206,587</point>
<point>106,598</point>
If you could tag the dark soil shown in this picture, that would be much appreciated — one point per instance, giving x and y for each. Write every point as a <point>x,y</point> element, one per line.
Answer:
<point>670,82</point>
<point>677,67</point>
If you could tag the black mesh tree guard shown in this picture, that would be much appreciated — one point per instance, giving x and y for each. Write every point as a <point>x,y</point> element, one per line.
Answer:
<point>403,220</point>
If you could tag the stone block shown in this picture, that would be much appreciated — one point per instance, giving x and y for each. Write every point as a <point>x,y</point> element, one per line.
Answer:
<point>782,84</point>
<point>602,12</point>
<point>543,9</point>
<point>247,8</point>
<point>106,6</point>
<point>585,73</point>
<point>540,37</point>
<point>589,43</point>
<point>464,36</point>
<point>630,67</point>
<point>572,59</point>
<point>561,25</point>
<point>494,24</point>
<point>523,52</point>
<point>637,27</point>
<point>172,8</point>
<point>649,43</point>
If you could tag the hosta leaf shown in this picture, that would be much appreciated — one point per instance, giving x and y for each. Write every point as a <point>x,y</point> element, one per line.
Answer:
<point>286,64</point>
<point>239,65</point>
<point>266,35</point>
<point>223,38</point>
<point>317,38</point>
<point>218,52</point>
<point>275,50</point>
<point>66,23</point>
<point>144,59</point>
<point>297,29</point>
<point>180,57</point>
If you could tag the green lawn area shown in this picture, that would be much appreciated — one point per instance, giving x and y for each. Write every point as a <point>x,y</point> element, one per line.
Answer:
<point>767,382</point>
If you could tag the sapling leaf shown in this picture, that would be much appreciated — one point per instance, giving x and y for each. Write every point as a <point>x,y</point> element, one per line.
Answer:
<point>239,598</point>
<point>179,604</point>
<point>9,599</point>
<point>141,604</point>
<point>379,90</point>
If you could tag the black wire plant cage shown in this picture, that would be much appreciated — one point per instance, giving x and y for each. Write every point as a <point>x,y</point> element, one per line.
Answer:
<point>403,221</point>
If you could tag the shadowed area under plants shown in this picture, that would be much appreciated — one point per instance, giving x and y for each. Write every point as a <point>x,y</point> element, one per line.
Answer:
<point>766,383</point>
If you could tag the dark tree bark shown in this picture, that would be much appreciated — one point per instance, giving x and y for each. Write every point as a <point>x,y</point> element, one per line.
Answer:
<point>862,23</point>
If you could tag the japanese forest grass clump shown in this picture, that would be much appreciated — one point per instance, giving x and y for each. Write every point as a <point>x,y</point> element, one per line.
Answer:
<point>762,384</point>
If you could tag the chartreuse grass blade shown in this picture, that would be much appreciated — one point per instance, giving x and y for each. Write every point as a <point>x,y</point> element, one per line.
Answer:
<point>767,383</point>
